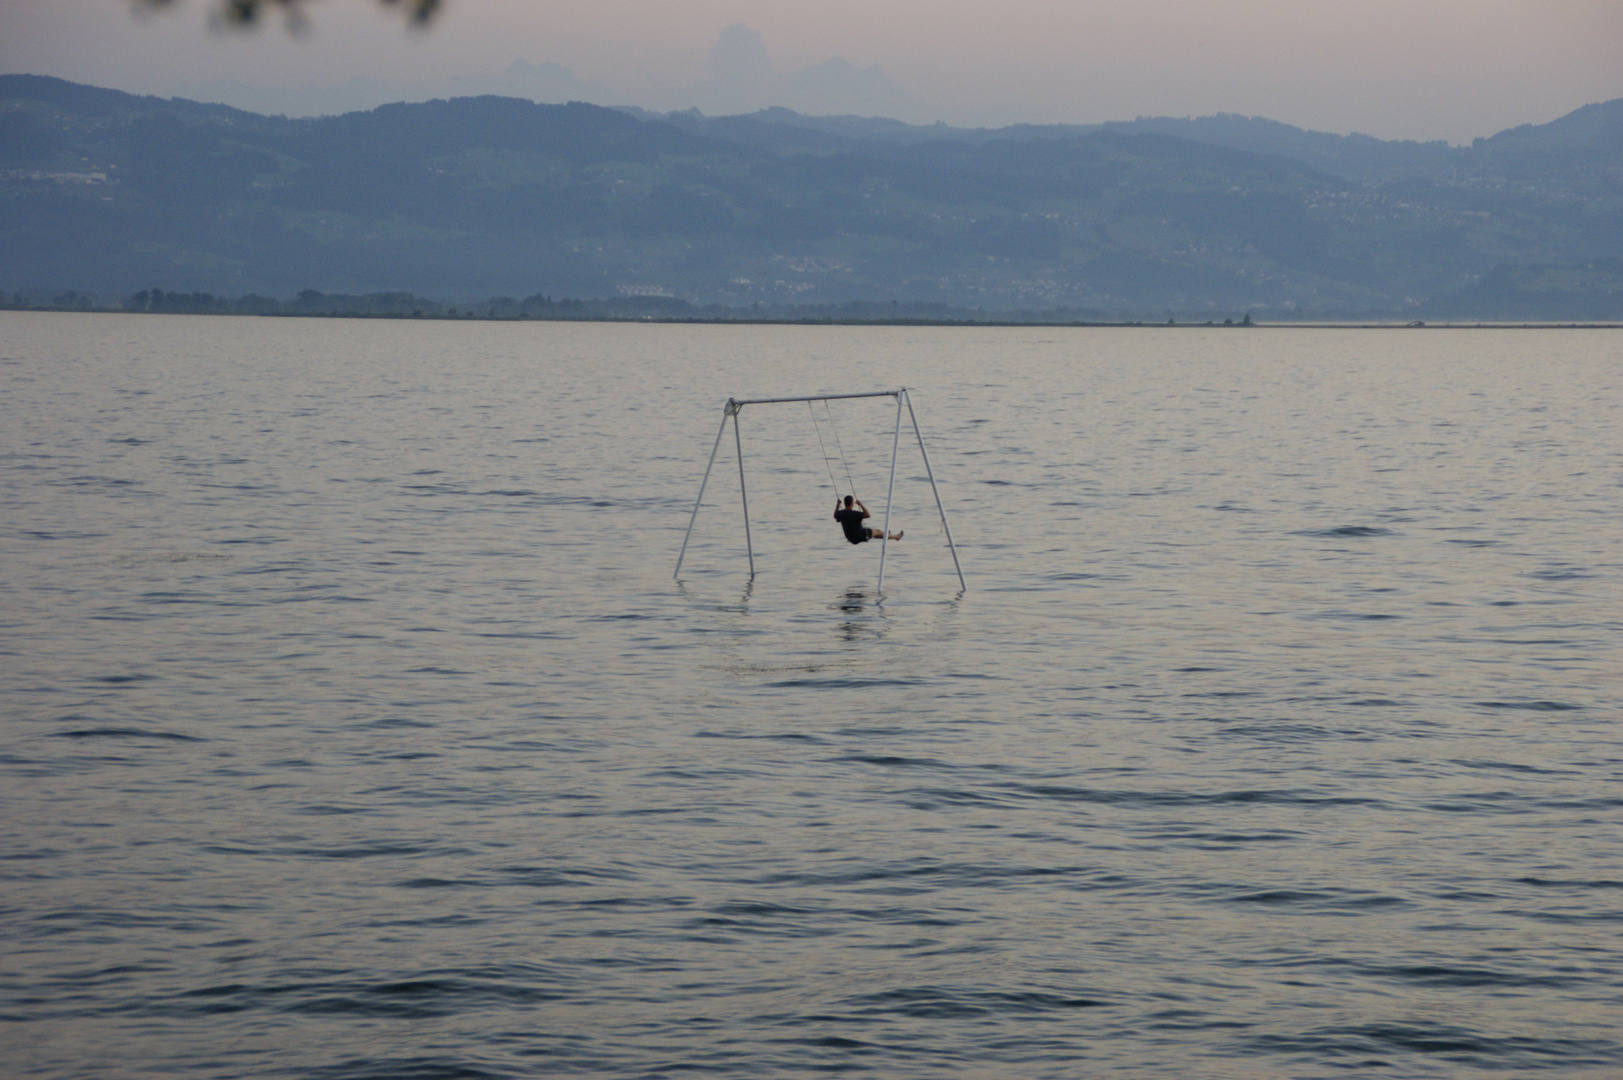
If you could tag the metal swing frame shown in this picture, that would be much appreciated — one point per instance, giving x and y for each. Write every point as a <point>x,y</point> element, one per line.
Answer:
<point>730,412</point>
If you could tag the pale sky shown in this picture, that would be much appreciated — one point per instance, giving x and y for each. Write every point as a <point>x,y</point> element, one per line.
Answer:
<point>1420,69</point>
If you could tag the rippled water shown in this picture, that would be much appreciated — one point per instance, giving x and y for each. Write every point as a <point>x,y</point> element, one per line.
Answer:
<point>354,726</point>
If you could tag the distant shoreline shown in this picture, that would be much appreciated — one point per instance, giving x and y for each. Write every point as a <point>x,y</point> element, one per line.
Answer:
<point>830,321</point>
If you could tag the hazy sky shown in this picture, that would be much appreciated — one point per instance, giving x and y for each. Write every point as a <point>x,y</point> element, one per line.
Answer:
<point>1426,69</point>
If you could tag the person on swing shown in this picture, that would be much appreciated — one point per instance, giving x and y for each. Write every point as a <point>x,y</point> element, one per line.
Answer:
<point>851,521</point>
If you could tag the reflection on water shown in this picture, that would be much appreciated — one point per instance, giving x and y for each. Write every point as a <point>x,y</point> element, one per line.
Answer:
<point>355,727</point>
<point>865,617</point>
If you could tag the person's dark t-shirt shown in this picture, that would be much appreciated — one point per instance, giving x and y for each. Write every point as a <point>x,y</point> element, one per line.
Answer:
<point>851,521</point>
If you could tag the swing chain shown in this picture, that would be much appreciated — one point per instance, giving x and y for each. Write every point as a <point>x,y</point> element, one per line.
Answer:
<point>832,482</point>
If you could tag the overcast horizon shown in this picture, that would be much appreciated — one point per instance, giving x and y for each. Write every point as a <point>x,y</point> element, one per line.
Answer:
<point>1442,70</point>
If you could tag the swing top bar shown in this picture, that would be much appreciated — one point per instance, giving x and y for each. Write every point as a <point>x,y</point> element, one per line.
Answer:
<point>738,403</point>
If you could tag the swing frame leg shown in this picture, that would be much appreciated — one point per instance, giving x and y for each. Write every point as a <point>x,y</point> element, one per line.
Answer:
<point>738,440</point>
<point>890,490</point>
<point>722,430</point>
<point>925,454</point>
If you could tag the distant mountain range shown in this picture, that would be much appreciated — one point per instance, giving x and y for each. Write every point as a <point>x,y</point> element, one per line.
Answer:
<point>109,193</point>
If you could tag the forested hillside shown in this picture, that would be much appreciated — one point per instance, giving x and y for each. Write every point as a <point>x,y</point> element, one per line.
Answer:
<point>110,193</point>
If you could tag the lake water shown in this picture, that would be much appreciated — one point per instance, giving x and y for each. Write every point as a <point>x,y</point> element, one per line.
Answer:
<point>355,727</point>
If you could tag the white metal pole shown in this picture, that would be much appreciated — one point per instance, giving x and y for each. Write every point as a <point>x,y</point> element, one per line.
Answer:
<point>738,441</point>
<point>722,430</point>
<point>925,454</point>
<point>895,443</point>
<point>814,397</point>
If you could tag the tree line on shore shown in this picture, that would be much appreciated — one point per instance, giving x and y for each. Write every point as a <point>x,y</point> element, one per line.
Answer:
<point>376,305</point>
<point>406,305</point>
<point>1489,301</point>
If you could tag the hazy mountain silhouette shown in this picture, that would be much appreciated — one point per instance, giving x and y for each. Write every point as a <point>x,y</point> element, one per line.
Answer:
<point>743,78</point>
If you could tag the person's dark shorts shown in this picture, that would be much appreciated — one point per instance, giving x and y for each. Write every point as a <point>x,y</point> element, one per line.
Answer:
<point>863,539</point>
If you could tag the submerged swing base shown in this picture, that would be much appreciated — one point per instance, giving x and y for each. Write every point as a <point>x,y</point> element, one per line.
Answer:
<point>730,412</point>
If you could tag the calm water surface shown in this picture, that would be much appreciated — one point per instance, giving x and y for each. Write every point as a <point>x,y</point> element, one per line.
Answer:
<point>353,725</point>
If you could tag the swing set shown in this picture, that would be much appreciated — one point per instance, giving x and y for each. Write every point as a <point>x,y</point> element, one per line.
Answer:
<point>735,406</point>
